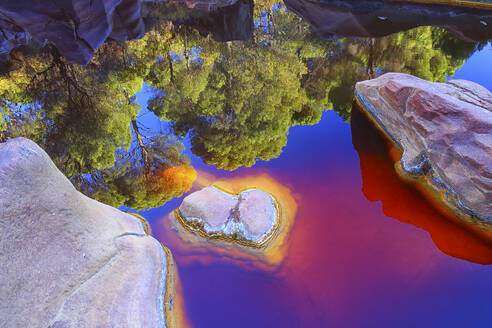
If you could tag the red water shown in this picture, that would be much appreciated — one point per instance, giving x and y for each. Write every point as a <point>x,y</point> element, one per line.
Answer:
<point>366,250</point>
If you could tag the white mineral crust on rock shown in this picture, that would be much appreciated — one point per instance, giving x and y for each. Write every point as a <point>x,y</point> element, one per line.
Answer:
<point>250,216</point>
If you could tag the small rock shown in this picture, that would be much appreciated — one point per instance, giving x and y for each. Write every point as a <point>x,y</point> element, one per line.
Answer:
<point>250,217</point>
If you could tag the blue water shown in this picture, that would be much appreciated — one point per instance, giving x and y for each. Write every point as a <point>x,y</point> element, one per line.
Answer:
<point>351,263</point>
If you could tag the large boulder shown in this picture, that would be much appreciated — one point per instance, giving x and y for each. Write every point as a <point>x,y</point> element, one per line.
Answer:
<point>445,133</point>
<point>69,261</point>
<point>250,217</point>
<point>401,200</point>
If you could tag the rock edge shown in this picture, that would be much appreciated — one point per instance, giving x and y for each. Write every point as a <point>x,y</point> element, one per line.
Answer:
<point>235,217</point>
<point>444,131</point>
<point>69,261</point>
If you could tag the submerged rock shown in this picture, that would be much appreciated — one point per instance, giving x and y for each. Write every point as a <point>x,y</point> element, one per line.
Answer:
<point>445,133</point>
<point>250,217</point>
<point>70,261</point>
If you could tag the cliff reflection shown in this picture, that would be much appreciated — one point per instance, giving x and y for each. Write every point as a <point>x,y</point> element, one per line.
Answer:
<point>376,18</point>
<point>404,203</point>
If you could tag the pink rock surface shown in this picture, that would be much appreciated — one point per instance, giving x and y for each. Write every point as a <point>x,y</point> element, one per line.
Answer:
<point>444,130</point>
<point>69,261</point>
<point>257,212</point>
<point>250,216</point>
<point>210,204</point>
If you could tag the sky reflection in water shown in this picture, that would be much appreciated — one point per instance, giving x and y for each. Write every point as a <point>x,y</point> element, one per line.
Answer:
<point>365,250</point>
<point>350,264</point>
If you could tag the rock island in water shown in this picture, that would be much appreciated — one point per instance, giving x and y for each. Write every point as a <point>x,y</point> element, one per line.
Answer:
<point>243,218</point>
<point>250,217</point>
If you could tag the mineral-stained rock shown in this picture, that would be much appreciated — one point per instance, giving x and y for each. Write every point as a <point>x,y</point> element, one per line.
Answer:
<point>380,183</point>
<point>250,217</point>
<point>69,261</point>
<point>444,131</point>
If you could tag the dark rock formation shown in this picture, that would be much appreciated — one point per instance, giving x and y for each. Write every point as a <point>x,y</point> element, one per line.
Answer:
<point>76,27</point>
<point>229,23</point>
<point>444,131</point>
<point>69,261</point>
<point>11,37</point>
<point>374,18</point>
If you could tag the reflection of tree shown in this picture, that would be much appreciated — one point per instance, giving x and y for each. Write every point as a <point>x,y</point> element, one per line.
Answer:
<point>457,49</point>
<point>3,127</point>
<point>236,100</point>
<point>79,117</point>
<point>82,116</point>
<point>153,172</point>
<point>427,52</point>
<point>238,104</point>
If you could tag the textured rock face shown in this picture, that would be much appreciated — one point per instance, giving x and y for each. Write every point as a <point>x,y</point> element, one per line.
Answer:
<point>76,27</point>
<point>445,132</point>
<point>69,261</point>
<point>374,18</point>
<point>398,201</point>
<point>250,217</point>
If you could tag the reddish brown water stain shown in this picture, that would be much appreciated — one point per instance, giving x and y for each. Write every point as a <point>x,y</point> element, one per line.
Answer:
<point>350,262</point>
<point>403,201</point>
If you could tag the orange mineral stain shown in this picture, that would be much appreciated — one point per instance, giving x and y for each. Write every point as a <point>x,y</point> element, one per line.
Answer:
<point>196,246</point>
<point>179,177</point>
<point>366,249</point>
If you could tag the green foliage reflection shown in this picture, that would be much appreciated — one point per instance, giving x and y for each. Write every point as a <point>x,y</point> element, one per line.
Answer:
<point>236,101</point>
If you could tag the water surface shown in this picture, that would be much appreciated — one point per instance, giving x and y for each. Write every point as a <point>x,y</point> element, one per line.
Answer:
<point>146,120</point>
